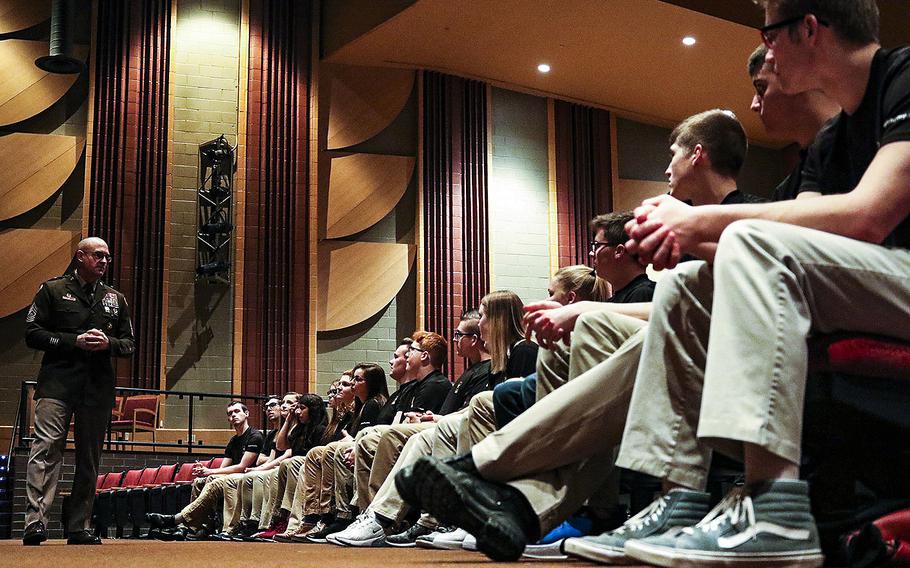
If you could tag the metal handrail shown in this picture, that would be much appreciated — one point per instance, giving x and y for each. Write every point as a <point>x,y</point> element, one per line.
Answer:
<point>20,440</point>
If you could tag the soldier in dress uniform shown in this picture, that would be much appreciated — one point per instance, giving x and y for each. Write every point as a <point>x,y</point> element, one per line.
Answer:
<point>80,323</point>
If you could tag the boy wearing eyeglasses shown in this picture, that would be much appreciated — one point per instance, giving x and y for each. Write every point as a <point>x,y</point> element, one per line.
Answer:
<point>80,323</point>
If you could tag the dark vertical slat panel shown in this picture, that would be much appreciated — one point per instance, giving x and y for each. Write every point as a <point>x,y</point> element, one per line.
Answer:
<point>128,175</point>
<point>276,290</point>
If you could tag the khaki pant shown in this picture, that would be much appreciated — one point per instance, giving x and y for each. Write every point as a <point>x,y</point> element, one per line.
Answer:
<point>217,490</point>
<point>365,445</point>
<point>263,497</point>
<point>344,482</point>
<point>283,486</point>
<point>559,451</point>
<point>52,421</point>
<point>315,486</point>
<point>770,287</point>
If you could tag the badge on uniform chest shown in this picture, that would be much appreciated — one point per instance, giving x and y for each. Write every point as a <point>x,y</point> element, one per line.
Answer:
<point>110,304</point>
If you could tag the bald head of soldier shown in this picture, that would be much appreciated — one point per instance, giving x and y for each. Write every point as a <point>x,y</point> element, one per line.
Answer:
<point>92,259</point>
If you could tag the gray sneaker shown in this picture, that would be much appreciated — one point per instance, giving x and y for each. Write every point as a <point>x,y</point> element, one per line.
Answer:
<point>678,508</point>
<point>767,524</point>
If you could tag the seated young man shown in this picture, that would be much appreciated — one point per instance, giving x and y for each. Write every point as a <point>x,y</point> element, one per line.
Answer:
<point>241,452</point>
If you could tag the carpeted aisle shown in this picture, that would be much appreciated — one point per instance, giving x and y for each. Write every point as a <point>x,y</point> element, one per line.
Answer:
<point>153,554</point>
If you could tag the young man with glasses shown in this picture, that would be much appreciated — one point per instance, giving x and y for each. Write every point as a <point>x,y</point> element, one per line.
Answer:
<point>80,323</point>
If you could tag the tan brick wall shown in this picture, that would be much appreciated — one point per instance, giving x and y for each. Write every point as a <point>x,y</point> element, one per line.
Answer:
<point>206,47</point>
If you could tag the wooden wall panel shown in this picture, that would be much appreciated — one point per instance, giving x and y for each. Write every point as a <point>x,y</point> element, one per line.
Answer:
<point>18,15</point>
<point>364,100</point>
<point>364,188</point>
<point>29,257</point>
<point>26,90</point>
<point>35,167</point>
<point>370,273</point>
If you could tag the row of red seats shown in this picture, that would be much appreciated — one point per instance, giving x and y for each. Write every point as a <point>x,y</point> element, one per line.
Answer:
<point>122,498</point>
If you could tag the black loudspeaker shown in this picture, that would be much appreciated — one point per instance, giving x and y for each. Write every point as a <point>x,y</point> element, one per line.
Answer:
<point>214,221</point>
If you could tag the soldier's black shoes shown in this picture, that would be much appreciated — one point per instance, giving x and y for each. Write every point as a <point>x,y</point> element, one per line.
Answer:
<point>34,534</point>
<point>497,515</point>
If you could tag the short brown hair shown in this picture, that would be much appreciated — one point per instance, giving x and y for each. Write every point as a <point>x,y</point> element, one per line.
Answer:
<point>757,60</point>
<point>434,344</point>
<point>720,134</point>
<point>856,21</point>
<point>613,225</point>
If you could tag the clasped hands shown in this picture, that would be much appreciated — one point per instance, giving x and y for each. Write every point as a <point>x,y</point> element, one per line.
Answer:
<point>662,229</point>
<point>93,340</point>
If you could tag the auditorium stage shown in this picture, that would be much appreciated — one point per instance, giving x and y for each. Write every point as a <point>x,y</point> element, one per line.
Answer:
<point>127,553</point>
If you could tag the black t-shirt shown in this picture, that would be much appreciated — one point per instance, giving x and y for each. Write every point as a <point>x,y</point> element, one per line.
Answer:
<point>426,394</point>
<point>390,408</point>
<point>251,440</point>
<point>269,444</point>
<point>640,289</point>
<point>522,360</point>
<point>303,437</point>
<point>475,379</point>
<point>368,415</point>
<point>883,116</point>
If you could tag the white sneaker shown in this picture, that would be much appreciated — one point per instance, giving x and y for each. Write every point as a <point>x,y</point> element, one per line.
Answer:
<point>366,532</point>
<point>331,538</point>
<point>469,543</point>
<point>451,540</point>
<point>426,541</point>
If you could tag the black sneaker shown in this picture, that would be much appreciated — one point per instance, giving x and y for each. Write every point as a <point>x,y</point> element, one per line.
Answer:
<point>498,515</point>
<point>409,537</point>
<point>35,533</point>
<point>408,480</point>
<point>159,521</point>
<point>335,526</point>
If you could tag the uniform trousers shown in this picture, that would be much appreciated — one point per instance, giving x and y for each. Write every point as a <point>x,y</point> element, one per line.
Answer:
<point>52,422</point>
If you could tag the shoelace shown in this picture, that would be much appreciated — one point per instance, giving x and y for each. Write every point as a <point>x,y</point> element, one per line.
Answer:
<point>645,517</point>
<point>734,508</point>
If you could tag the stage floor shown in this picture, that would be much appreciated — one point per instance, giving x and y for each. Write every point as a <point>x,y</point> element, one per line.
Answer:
<point>153,554</point>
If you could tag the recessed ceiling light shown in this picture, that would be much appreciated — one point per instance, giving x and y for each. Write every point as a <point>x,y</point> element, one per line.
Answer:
<point>688,40</point>
<point>543,68</point>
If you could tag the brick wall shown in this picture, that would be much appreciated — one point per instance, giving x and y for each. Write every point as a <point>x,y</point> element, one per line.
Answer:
<point>200,319</point>
<point>519,230</point>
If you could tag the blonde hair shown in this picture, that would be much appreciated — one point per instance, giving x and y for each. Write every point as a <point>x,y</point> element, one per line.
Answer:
<point>583,280</point>
<point>502,308</point>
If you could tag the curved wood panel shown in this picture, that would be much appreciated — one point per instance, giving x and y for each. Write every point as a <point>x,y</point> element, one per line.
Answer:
<point>36,165</point>
<point>629,193</point>
<point>26,90</point>
<point>364,101</point>
<point>29,257</point>
<point>357,279</point>
<point>363,188</point>
<point>18,15</point>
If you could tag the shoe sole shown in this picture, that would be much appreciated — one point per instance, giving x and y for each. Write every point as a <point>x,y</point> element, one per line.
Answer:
<point>424,544</point>
<point>671,557</point>
<point>318,540</point>
<point>447,545</point>
<point>372,543</point>
<point>451,504</point>
<point>552,551</point>
<point>592,551</point>
<point>401,545</point>
<point>34,540</point>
